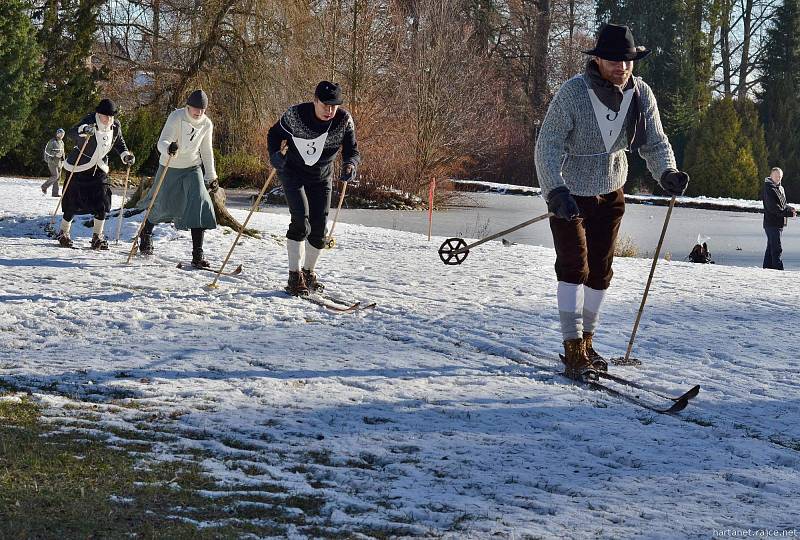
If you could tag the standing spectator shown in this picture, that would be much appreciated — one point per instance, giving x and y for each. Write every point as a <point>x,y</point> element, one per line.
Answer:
<point>54,157</point>
<point>775,213</point>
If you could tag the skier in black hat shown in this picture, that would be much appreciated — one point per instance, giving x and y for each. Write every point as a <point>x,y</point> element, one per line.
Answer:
<point>88,191</point>
<point>580,159</point>
<point>185,198</point>
<point>315,131</point>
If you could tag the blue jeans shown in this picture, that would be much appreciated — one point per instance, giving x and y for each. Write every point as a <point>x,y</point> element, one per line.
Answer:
<point>772,256</point>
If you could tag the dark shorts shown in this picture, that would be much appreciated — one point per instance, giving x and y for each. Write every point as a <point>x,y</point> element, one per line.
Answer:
<point>585,245</point>
<point>88,193</point>
<point>309,201</point>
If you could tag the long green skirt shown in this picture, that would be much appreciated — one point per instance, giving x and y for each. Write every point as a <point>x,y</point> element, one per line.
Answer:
<point>183,200</point>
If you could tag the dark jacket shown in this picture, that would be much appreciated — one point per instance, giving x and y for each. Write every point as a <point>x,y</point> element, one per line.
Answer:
<point>300,121</point>
<point>775,209</point>
<point>88,157</point>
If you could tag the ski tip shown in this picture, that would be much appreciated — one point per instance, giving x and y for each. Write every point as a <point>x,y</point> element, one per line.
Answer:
<point>678,406</point>
<point>693,392</point>
<point>179,265</point>
<point>237,270</point>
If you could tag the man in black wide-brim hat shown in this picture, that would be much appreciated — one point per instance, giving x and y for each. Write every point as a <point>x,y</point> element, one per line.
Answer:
<point>594,118</point>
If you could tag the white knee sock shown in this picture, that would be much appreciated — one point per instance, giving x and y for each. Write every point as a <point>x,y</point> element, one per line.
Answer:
<point>592,300</point>
<point>570,310</point>
<point>312,254</point>
<point>65,226</point>
<point>98,226</point>
<point>295,250</point>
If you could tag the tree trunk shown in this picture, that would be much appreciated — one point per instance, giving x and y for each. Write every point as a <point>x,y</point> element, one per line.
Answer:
<point>725,52</point>
<point>744,66</point>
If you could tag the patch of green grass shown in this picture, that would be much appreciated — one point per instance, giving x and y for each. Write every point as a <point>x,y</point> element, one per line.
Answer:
<point>53,484</point>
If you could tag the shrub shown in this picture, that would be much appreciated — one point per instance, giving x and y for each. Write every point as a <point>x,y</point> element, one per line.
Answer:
<point>141,129</point>
<point>240,169</point>
<point>626,248</point>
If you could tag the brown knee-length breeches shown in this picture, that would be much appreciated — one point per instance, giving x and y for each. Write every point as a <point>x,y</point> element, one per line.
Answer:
<point>585,245</point>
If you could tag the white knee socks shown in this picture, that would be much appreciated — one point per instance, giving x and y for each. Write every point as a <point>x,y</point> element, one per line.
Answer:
<point>578,312</point>
<point>295,250</point>
<point>568,295</point>
<point>312,254</point>
<point>592,300</point>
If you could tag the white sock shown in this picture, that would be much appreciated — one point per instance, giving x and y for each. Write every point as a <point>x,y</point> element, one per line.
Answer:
<point>98,226</point>
<point>312,254</point>
<point>295,250</point>
<point>570,307</point>
<point>592,300</point>
<point>65,226</point>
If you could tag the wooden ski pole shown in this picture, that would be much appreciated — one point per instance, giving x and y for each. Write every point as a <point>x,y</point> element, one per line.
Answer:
<point>122,206</point>
<point>503,233</point>
<point>330,242</point>
<point>213,284</point>
<point>147,214</point>
<point>649,281</point>
<point>66,185</point>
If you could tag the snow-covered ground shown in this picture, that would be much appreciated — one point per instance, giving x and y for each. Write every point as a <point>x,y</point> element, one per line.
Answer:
<point>438,412</point>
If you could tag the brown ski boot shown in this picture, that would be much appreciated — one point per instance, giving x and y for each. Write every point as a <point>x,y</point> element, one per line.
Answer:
<point>297,284</point>
<point>598,362</point>
<point>99,243</point>
<point>64,240</point>
<point>312,283</point>
<point>576,362</point>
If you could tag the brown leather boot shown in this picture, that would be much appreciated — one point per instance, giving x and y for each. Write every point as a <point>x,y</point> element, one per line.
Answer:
<point>296,285</point>
<point>576,362</point>
<point>598,362</point>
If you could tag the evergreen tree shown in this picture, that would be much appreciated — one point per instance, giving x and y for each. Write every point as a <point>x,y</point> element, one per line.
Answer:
<point>678,69</point>
<point>66,34</point>
<point>719,156</point>
<point>20,85</point>
<point>753,134</point>
<point>780,95</point>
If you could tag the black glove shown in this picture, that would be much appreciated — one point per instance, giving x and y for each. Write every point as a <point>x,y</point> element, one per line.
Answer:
<point>674,182</point>
<point>213,186</point>
<point>562,204</point>
<point>173,148</point>
<point>88,129</point>
<point>348,173</point>
<point>278,161</point>
<point>128,159</point>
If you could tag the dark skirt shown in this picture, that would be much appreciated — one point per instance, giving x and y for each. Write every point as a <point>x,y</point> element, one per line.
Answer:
<point>88,193</point>
<point>182,200</point>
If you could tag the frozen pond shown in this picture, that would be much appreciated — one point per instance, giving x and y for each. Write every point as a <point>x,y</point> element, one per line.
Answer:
<point>735,238</point>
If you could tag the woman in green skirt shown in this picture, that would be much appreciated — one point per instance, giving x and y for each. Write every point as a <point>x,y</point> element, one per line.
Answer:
<point>185,195</point>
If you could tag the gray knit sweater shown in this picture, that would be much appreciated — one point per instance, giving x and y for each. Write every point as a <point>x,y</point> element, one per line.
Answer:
<point>570,149</point>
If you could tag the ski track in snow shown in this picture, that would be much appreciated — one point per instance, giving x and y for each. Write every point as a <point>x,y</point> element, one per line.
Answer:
<point>439,412</point>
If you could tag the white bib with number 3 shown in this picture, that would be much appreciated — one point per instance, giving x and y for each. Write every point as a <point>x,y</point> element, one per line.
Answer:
<point>310,149</point>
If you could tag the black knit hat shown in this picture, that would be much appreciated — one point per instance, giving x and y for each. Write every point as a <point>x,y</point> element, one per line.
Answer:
<point>329,93</point>
<point>198,99</point>
<point>107,107</point>
<point>616,43</point>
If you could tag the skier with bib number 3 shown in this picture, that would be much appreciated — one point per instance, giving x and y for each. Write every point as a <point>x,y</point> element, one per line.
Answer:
<point>314,131</point>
